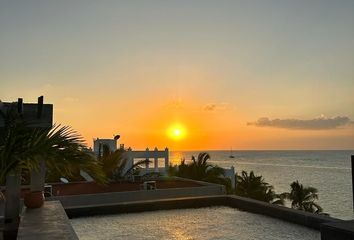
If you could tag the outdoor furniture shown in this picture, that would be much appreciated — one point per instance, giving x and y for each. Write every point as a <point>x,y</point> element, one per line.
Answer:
<point>150,176</point>
<point>149,185</point>
<point>48,190</point>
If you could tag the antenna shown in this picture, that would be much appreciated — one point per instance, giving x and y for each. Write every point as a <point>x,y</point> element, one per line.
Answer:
<point>40,107</point>
<point>20,105</point>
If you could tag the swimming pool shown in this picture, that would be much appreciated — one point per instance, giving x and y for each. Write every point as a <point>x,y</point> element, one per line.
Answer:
<point>202,223</point>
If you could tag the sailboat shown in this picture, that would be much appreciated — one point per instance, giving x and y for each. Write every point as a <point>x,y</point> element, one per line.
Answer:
<point>231,155</point>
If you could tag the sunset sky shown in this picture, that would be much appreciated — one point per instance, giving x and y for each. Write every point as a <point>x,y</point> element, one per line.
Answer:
<point>189,75</point>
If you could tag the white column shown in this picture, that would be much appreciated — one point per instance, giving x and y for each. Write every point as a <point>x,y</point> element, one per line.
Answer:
<point>166,159</point>
<point>147,164</point>
<point>12,204</point>
<point>156,162</point>
<point>232,177</point>
<point>130,160</point>
<point>38,178</point>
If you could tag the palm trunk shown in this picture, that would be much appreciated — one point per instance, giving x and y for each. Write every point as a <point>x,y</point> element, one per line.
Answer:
<point>2,212</point>
<point>12,203</point>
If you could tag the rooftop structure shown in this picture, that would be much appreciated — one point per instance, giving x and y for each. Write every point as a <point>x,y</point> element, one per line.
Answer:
<point>156,154</point>
<point>35,114</point>
<point>132,155</point>
<point>99,142</point>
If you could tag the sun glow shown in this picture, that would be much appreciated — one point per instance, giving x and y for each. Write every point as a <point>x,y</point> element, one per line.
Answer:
<point>176,132</point>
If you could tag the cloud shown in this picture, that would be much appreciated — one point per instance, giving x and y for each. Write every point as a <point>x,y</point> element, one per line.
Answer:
<point>321,123</point>
<point>216,106</point>
<point>175,104</point>
<point>210,107</point>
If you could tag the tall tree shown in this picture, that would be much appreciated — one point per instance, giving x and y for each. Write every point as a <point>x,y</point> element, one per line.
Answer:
<point>200,169</point>
<point>114,163</point>
<point>303,198</point>
<point>255,187</point>
<point>23,147</point>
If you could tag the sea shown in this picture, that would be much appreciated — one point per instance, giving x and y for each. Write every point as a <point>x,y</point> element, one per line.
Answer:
<point>328,171</point>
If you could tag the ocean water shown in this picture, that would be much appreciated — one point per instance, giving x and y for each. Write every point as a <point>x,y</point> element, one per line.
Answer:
<point>328,171</point>
<point>183,224</point>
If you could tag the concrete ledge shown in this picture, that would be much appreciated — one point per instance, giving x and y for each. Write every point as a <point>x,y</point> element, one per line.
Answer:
<point>120,197</point>
<point>307,219</point>
<point>339,230</point>
<point>143,206</point>
<point>47,222</point>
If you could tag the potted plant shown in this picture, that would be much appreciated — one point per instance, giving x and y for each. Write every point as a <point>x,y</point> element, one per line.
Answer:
<point>33,199</point>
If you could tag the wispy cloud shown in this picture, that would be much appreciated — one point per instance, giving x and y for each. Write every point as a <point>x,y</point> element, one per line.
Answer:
<point>210,107</point>
<point>175,104</point>
<point>216,106</point>
<point>321,123</point>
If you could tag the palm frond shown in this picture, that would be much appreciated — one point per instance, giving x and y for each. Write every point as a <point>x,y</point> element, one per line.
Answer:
<point>135,165</point>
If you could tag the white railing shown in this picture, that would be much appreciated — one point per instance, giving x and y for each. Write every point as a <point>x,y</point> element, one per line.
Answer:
<point>230,173</point>
<point>147,154</point>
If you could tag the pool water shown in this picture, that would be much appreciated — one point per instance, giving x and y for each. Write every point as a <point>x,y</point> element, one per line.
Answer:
<point>202,223</point>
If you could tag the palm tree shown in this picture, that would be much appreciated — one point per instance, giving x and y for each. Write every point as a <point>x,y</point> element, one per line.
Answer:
<point>200,169</point>
<point>114,164</point>
<point>60,147</point>
<point>303,198</point>
<point>23,147</point>
<point>255,187</point>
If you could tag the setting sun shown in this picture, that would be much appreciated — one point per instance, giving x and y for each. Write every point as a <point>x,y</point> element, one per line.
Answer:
<point>176,132</point>
<point>242,110</point>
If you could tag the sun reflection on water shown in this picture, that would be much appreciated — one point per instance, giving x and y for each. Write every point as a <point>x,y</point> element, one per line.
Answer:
<point>176,157</point>
<point>179,234</point>
<point>183,224</point>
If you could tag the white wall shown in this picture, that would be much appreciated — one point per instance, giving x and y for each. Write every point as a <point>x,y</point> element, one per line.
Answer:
<point>118,197</point>
<point>111,143</point>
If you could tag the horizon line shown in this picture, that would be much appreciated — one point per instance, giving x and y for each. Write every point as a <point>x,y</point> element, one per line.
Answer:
<point>196,150</point>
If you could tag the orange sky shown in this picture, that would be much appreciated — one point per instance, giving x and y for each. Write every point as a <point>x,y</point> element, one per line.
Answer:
<point>224,127</point>
<point>136,68</point>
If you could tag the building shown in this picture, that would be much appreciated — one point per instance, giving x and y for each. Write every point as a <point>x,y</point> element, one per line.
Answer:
<point>99,142</point>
